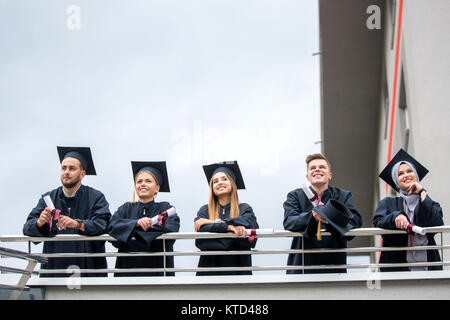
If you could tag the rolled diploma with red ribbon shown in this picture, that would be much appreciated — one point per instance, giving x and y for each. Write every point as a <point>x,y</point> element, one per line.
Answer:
<point>49,203</point>
<point>252,233</point>
<point>55,212</point>
<point>310,195</point>
<point>169,212</point>
<point>412,228</point>
<point>259,231</point>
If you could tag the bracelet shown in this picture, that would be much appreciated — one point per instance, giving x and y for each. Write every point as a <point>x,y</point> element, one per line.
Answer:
<point>79,223</point>
<point>422,190</point>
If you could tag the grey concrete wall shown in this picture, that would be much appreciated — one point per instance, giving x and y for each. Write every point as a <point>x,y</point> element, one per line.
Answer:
<point>424,60</point>
<point>395,285</point>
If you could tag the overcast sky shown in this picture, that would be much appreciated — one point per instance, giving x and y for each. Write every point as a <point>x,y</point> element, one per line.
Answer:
<point>189,82</point>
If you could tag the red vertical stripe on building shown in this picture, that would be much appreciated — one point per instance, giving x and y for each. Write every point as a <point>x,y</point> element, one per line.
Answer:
<point>394,95</point>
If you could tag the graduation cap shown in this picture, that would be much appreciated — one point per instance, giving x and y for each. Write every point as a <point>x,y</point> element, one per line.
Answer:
<point>157,168</point>
<point>83,154</point>
<point>401,155</point>
<point>229,167</point>
<point>337,215</point>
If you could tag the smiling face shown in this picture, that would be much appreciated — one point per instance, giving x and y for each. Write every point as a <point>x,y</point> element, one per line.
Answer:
<point>406,176</point>
<point>221,184</point>
<point>318,172</point>
<point>146,186</point>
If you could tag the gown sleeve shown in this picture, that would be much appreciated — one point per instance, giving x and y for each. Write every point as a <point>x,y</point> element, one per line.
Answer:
<point>172,225</point>
<point>297,214</point>
<point>429,214</point>
<point>218,227</point>
<point>30,227</point>
<point>121,226</point>
<point>246,218</point>
<point>100,215</point>
<point>385,213</point>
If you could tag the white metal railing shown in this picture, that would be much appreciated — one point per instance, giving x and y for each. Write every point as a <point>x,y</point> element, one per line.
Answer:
<point>371,232</point>
<point>26,273</point>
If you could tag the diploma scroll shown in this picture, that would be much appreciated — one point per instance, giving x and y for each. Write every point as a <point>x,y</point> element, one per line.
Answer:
<point>55,212</point>
<point>49,203</point>
<point>252,233</point>
<point>161,218</point>
<point>310,195</point>
<point>315,200</point>
<point>410,228</point>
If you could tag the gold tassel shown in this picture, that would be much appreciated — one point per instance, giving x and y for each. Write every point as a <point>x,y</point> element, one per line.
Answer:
<point>133,198</point>
<point>319,235</point>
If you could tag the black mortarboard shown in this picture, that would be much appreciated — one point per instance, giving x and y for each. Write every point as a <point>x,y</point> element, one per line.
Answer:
<point>83,154</point>
<point>337,215</point>
<point>229,167</point>
<point>401,155</point>
<point>157,168</point>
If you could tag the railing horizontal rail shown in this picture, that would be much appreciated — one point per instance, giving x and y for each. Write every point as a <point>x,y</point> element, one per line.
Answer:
<point>252,268</point>
<point>10,287</point>
<point>241,252</point>
<point>211,235</point>
<point>206,235</point>
<point>17,270</point>
<point>21,255</point>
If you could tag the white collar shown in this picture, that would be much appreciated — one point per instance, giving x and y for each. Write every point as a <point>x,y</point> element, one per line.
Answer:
<point>73,194</point>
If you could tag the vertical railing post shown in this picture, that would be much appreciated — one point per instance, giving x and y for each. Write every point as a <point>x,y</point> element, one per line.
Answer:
<point>23,280</point>
<point>303,255</point>
<point>442,249</point>
<point>165,256</point>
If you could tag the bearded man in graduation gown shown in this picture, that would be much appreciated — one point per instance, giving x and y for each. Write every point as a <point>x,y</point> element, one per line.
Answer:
<point>82,210</point>
<point>300,216</point>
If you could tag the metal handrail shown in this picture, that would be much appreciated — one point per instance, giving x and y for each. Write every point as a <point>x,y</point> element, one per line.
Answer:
<point>208,235</point>
<point>26,273</point>
<point>211,235</point>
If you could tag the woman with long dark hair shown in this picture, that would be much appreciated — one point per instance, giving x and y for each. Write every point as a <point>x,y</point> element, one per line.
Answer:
<point>224,213</point>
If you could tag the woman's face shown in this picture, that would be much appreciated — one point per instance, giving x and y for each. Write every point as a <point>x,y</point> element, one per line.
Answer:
<point>221,184</point>
<point>406,176</point>
<point>146,186</point>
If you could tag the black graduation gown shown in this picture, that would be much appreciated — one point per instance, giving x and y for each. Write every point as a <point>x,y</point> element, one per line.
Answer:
<point>246,219</point>
<point>123,228</point>
<point>298,218</point>
<point>427,214</point>
<point>88,205</point>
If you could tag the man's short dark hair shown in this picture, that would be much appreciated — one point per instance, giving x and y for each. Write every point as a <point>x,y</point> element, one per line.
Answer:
<point>316,156</point>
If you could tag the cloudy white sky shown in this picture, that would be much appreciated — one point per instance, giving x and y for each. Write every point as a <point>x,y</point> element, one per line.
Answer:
<point>190,82</point>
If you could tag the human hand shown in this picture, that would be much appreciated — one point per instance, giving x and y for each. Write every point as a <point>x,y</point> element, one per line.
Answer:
<point>44,217</point>
<point>145,223</point>
<point>200,222</point>
<point>240,231</point>
<point>414,188</point>
<point>401,221</point>
<point>66,222</point>
<point>318,217</point>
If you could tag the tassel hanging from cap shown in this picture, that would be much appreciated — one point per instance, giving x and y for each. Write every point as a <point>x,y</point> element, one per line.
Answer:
<point>319,234</point>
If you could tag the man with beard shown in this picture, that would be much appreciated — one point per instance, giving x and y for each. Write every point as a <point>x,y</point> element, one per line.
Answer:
<point>78,209</point>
